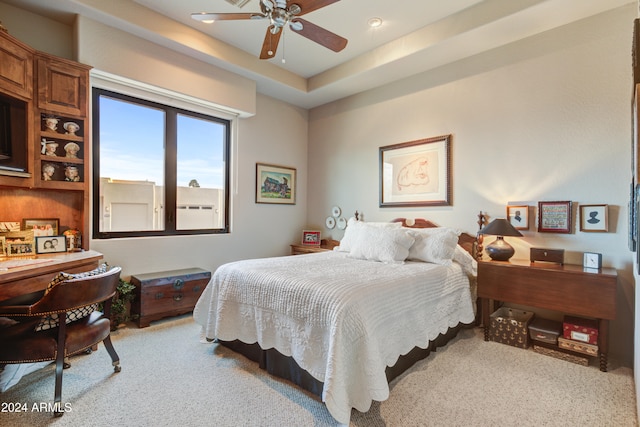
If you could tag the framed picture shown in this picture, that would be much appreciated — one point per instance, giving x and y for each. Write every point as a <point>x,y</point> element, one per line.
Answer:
<point>632,218</point>
<point>594,218</point>
<point>416,173</point>
<point>50,244</point>
<point>311,238</point>
<point>554,217</point>
<point>518,216</point>
<point>275,184</point>
<point>42,226</point>
<point>20,249</point>
<point>3,245</point>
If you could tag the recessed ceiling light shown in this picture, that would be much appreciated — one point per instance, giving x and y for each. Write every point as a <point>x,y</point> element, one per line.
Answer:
<point>374,22</point>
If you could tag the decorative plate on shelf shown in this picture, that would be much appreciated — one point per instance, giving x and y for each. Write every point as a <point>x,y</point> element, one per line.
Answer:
<point>336,211</point>
<point>330,222</point>
<point>342,223</point>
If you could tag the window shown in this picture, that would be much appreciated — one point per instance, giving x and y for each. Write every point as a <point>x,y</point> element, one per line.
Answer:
<point>157,169</point>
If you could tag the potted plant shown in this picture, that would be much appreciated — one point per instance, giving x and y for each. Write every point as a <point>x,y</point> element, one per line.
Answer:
<point>121,304</point>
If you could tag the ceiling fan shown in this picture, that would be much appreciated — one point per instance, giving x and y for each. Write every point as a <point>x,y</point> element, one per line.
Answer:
<point>281,13</point>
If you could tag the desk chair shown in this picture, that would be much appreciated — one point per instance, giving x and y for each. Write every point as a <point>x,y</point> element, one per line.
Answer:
<point>21,343</point>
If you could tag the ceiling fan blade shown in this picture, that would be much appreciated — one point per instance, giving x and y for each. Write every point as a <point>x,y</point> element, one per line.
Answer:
<point>270,44</point>
<point>307,6</point>
<point>319,35</point>
<point>203,16</point>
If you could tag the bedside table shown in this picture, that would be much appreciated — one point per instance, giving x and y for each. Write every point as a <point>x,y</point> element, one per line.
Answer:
<point>565,288</point>
<point>325,245</point>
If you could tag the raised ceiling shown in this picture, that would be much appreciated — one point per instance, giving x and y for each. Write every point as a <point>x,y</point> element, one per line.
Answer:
<point>416,36</point>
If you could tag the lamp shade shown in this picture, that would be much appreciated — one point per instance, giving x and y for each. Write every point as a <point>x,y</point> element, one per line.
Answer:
<point>500,227</point>
<point>500,250</point>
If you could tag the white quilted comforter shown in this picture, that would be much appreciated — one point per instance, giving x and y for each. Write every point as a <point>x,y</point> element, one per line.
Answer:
<point>343,320</point>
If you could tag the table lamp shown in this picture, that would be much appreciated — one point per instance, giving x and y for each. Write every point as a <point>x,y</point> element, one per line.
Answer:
<point>499,250</point>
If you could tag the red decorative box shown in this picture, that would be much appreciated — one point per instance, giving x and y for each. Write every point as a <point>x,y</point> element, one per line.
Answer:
<point>580,329</point>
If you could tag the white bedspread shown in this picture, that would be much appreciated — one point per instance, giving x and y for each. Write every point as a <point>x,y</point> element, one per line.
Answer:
<point>343,320</point>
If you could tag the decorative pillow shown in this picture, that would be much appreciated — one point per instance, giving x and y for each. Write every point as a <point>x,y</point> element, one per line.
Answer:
<point>51,321</point>
<point>388,245</point>
<point>464,258</point>
<point>435,245</point>
<point>353,230</point>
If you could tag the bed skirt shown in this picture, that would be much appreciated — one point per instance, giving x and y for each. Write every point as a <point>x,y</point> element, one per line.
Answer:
<point>278,365</point>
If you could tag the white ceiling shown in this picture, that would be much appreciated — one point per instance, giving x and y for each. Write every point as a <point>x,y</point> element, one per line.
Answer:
<point>416,36</point>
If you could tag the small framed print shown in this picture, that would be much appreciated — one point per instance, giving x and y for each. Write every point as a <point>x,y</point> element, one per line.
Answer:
<point>42,226</point>
<point>275,184</point>
<point>19,249</point>
<point>518,217</point>
<point>554,217</point>
<point>3,244</point>
<point>310,237</point>
<point>50,244</point>
<point>594,218</point>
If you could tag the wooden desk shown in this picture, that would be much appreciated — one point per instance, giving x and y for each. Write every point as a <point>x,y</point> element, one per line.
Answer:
<point>568,289</point>
<point>32,278</point>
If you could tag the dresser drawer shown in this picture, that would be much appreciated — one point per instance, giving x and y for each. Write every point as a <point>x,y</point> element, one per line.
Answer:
<point>167,293</point>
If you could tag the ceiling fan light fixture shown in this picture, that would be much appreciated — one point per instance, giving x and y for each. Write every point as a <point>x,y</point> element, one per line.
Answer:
<point>374,22</point>
<point>203,17</point>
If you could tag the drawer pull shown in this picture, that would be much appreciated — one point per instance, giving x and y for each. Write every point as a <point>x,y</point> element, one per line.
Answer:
<point>178,284</point>
<point>159,295</point>
<point>177,297</point>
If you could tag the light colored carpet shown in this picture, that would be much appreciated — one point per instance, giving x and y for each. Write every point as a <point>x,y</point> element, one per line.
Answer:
<point>169,378</point>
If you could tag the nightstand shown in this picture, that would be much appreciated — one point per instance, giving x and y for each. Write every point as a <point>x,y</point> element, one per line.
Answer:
<point>325,245</point>
<point>568,289</point>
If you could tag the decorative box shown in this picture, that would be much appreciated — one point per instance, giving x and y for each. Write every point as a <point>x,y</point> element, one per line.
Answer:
<point>580,347</point>
<point>580,329</point>
<point>510,326</point>
<point>561,355</point>
<point>546,255</point>
<point>545,330</point>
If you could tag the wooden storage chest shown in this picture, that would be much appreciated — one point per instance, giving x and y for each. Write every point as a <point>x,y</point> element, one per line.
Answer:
<point>167,293</point>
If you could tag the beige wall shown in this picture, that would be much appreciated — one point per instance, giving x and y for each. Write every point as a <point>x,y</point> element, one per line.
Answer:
<point>544,119</point>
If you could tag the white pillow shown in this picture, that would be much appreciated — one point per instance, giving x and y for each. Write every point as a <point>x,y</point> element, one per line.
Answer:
<point>464,258</point>
<point>435,245</point>
<point>353,230</point>
<point>384,244</point>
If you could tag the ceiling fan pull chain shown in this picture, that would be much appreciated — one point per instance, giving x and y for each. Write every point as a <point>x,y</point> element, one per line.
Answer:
<point>283,46</point>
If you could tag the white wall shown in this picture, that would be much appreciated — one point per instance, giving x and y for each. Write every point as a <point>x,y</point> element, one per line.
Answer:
<point>547,118</point>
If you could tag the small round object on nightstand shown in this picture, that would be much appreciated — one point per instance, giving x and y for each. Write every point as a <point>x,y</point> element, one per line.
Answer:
<point>342,223</point>
<point>330,222</point>
<point>336,211</point>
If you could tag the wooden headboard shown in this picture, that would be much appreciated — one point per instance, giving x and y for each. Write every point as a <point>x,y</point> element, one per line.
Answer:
<point>467,241</point>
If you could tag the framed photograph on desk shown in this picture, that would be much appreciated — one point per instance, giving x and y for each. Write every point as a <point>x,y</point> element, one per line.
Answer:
<point>50,244</point>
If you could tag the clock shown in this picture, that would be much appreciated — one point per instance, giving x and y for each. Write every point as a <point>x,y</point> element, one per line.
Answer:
<point>592,260</point>
<point>330,222</point>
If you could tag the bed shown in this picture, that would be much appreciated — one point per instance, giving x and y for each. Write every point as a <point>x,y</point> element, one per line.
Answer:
<point>343,323</point>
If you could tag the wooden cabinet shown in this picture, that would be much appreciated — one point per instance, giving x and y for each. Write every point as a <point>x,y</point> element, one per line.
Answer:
<point>568,289</point>
<point>49,98</point>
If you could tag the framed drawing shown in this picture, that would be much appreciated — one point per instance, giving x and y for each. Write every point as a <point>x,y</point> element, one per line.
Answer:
<point>3,245</point>
<point>20,249</point>
<point>554,217</point>
<point>42,226</point>
<point>310,237</point>
<point>518,216</point>
<point>275,184</point>
<point>416,173</point>
<point>594,218</point>
<point>50,244</point>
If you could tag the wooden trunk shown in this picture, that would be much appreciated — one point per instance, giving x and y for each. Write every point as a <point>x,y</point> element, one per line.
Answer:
<point>167,293</point>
